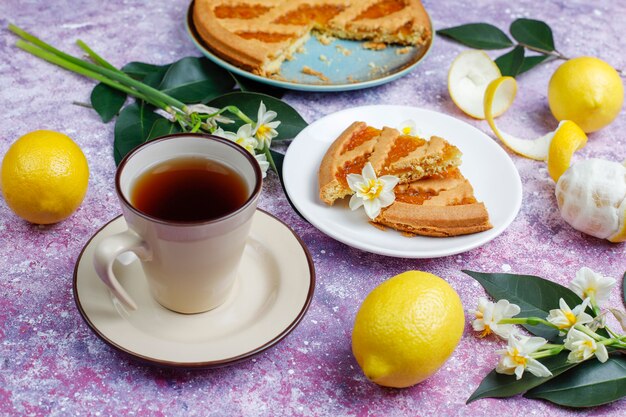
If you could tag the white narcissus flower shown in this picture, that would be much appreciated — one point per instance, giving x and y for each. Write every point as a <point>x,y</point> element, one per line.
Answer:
<point>565,318</point>
<point>262,160</point>
<point>265,129</point>
<point>204,109</point>
<point>583,346</point>
<point>408,127</point>
<point>516,358</point>
<point>371,192</point>
<point>244,137</point>
<point>593,285</point>
<point>489,314</point>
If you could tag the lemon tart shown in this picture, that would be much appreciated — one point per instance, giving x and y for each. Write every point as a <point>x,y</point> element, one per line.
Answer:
<point>258,35</point>
<point>432,197</point>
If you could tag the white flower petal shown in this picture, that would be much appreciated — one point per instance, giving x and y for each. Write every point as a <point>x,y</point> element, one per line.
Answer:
<point>372,208</point>
<point>368,172</point>
<point>355,202</point>
<point>389,182</point>
<point>532,344</point>
<point>386,199</point>
<point>354,180</point>
<point>601,353</point>
<point>537,368</point>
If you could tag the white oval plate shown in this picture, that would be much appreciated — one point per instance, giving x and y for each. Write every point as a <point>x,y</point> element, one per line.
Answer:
<point>485,164</point>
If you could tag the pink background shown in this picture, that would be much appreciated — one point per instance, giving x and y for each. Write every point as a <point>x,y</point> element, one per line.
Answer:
<point>52,364</point>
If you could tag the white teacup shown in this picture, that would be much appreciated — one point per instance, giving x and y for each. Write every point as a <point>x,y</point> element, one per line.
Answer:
<point>190,266</point>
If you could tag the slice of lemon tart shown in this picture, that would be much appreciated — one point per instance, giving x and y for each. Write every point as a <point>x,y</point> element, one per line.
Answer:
<point>258,35</point>
<point>432,197</point>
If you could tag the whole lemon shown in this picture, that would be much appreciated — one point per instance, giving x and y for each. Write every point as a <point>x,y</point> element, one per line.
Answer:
<point>587,91</point>
<point>44,177</point>
<point>406,328</point>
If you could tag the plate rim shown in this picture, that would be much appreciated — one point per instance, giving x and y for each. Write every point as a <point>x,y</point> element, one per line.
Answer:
<point>203,364</point>
<point>409,254</point>
<point>198,43</point>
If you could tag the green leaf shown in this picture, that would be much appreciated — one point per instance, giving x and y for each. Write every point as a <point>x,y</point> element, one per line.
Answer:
<point>107,101</point>
<point>531,62</point>
<point>496,385</point>
<point>132,128</point>
<point>534,33</point>
<point>139,70</point>
<point>154,79</point>
<point>478,35</point>
<point>162,127</point>
<point>248,85</point>
<point>511,62</point>
<point>589,384</point>
<point>195,80</point>
<point>624,288</point>
<point>534,295</point>
<point>291,123</point>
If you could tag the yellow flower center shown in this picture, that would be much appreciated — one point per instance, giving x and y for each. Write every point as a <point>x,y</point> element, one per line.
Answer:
<point>485,332</point>
<point>589,344</point>
<point>570,317</point>
<point>262,131</point>
<point>589,292</point>
<point>406,130</point>
<point>520,360</point>
<point>372,189</point>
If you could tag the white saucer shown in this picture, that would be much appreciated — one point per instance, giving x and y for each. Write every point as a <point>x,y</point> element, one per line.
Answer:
<point>274,289</point>
<point>485,164</point>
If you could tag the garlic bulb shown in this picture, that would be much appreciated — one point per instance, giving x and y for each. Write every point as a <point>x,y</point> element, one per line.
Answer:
<point>591,196</point>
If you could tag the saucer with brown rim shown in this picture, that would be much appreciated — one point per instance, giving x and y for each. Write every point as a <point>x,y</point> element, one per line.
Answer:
<point>273,291</point>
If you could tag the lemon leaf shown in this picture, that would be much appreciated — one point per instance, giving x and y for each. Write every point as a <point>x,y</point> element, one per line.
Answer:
<point>107,101</point>
<point>533,33</point>
<point>511,62</point>
<point>590,384</point>
<point>478,35</point>
<point>531,61</point>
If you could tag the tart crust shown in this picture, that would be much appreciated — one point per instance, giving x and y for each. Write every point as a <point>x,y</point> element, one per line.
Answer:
<point>258,35</point>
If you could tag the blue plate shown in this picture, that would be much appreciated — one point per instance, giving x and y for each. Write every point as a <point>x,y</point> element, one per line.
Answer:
<point>347,65</point>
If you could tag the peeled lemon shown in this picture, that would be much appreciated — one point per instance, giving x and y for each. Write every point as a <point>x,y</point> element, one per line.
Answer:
<point>406,328</point>
<point>556,147</point>
<point>587,91</point>
<point>468,78</point>
<point>591,196</point>
<point>44,177</point>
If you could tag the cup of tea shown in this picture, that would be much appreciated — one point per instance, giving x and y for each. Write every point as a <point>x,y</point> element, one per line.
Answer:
<point>188,200</point>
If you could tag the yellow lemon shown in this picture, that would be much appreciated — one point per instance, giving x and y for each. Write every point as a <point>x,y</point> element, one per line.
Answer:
<point>406,328</point>
<point>587,91</point>
<point>44,177</point>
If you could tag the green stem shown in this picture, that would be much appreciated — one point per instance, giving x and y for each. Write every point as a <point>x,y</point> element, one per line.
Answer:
<point>532,321</point>
<point>116,75</point>
<point>549,352</point>
<point>38,52</point>
<point>559,55</point>
<point>235,110</point>
<point>268,155</point>
<point>95,57</point>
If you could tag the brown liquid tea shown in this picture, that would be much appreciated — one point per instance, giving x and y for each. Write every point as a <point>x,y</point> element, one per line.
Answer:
<point>189,189</point>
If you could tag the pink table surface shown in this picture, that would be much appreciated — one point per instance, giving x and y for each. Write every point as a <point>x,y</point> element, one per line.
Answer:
<point>52,364</point>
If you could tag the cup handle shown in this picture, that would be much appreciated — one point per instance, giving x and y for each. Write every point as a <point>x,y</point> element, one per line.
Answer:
<point>107,250</point>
